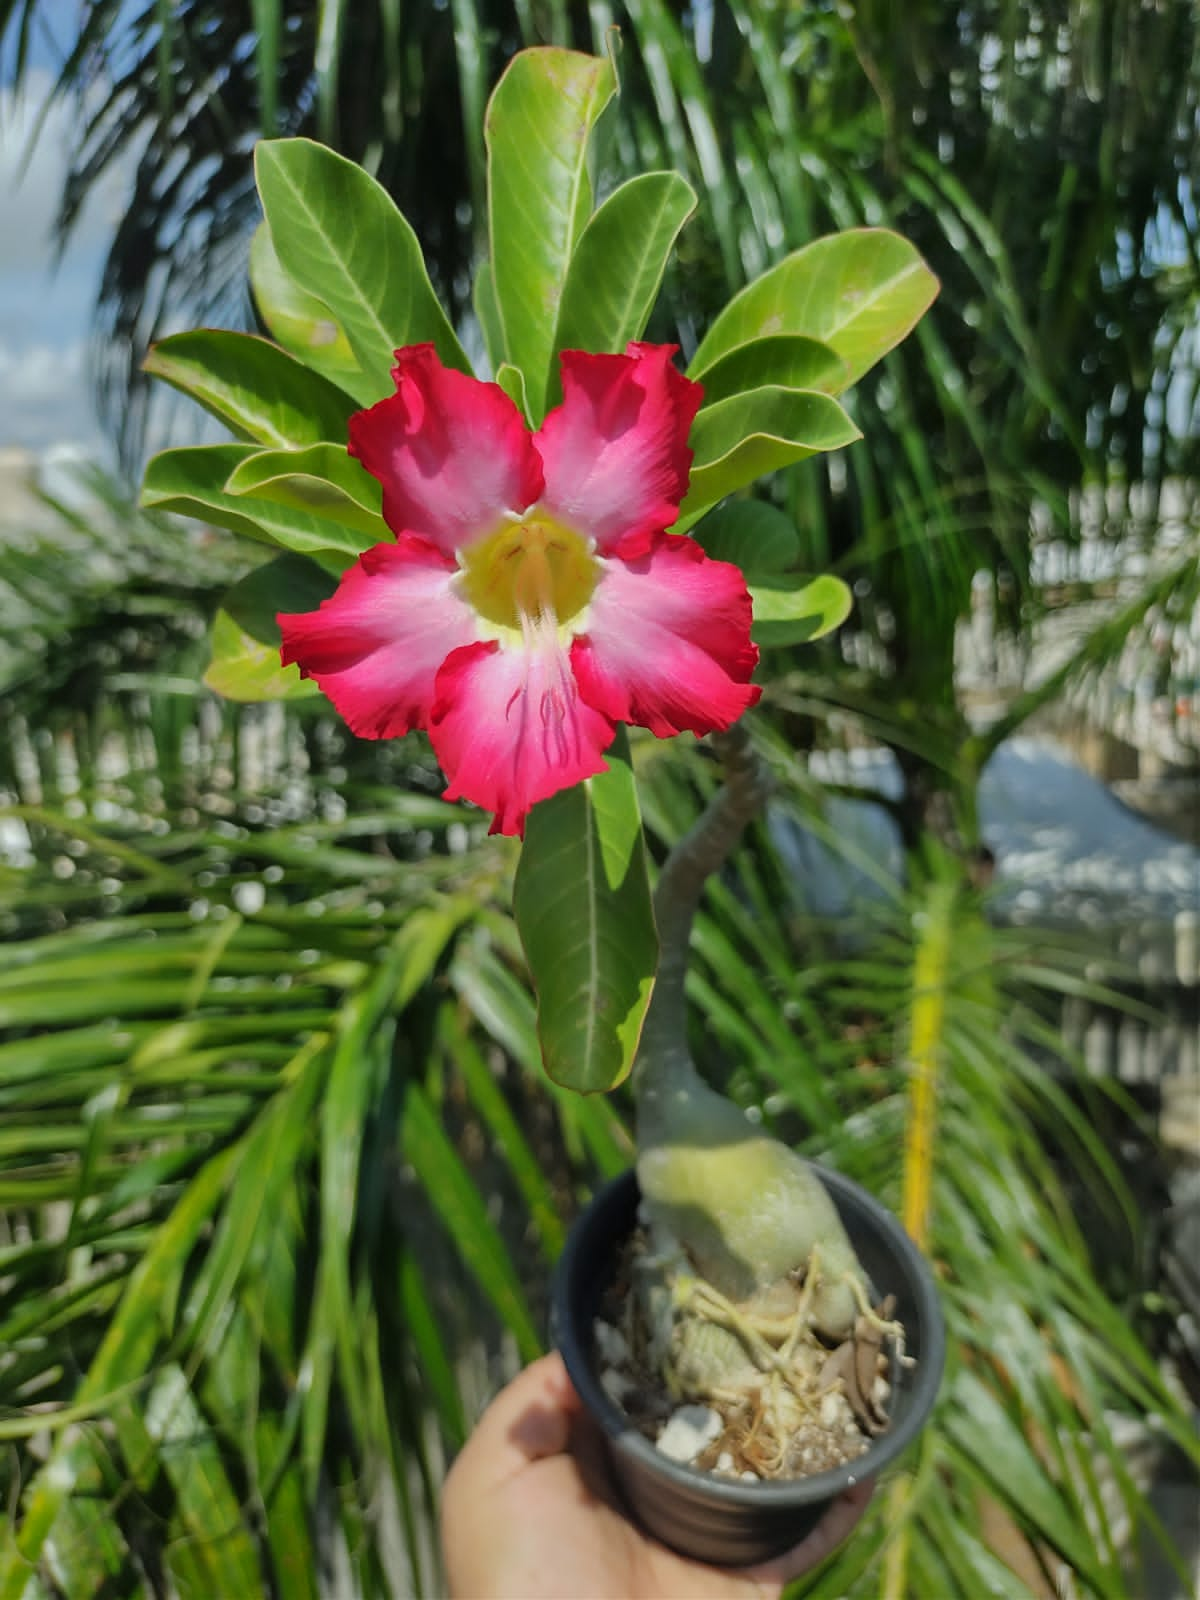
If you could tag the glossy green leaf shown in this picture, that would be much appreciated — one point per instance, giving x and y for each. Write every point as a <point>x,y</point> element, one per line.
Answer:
<point>786,363</point>
<point>618,265</point>
<point>793,610</point>
<point>739,440</point>
<point>582,905</point>
<point>255,388</point>
<point>299,321</point>
<point>322,481</point>
<point>512,381</point>
<point>859,292</point>
<point>487,312</point>
<point>245,669</point>
<point>752,534</point>
<point>344,241</point>
<point>539,195</point>
<point>285,583</point>
<point>192,480</point>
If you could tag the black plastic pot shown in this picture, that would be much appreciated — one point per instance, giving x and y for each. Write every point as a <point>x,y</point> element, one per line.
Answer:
<point>723,1521</point>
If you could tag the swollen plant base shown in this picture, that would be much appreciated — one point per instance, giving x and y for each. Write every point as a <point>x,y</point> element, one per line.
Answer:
<point>792,1404</point>
<point>713,1517</point>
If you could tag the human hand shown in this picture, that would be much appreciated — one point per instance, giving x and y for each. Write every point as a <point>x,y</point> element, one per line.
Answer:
<point>529,1512</point>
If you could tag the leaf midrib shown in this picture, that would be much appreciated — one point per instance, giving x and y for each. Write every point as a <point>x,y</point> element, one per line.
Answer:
<point>592,941</point>
<point>326,239</point>
<point>637,277</point>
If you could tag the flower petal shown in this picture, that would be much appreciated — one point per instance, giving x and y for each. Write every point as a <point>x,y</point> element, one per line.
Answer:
<point>616,452</point>
<point>451,453</point>
<point>374,647</point>
<point>667,643</point>
<point>510,729</point>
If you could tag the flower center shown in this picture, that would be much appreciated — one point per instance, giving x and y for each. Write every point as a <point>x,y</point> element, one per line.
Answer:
<point>528,572</point>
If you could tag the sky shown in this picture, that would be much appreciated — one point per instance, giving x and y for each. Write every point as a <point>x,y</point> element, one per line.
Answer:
<point>45,308</point>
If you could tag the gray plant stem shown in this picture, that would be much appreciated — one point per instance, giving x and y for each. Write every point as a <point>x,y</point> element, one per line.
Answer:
<point>663,1054</point>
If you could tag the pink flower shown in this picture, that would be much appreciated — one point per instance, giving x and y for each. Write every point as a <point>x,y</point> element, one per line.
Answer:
<point>532,598</point>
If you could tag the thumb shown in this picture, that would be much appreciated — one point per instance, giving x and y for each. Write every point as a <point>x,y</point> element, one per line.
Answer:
<point>527,1421</point>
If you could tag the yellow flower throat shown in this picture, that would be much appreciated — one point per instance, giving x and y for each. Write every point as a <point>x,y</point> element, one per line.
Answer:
<point>528,572</point>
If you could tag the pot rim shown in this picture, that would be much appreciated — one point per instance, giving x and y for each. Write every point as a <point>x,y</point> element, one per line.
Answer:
<point>788,1491</point>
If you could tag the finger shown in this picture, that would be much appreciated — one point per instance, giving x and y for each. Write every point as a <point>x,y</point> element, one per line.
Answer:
<point>842,1517</point>
<point>527,1421</point>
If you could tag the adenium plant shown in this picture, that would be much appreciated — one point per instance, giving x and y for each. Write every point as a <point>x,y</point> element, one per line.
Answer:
<point>523,563</point>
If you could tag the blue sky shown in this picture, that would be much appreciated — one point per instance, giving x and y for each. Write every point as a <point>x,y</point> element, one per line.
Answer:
<point>45,309</point>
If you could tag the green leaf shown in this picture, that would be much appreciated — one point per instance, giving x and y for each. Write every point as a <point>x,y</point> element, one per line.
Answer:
<point>298,321</point>
<point>322,480</point>
<point>124,1357</point>
<point>615,273</point>
<point>192,481</point>
<point>979,1425</point>
<point>793,610</point>
<point>258,390</point>
<point>487,311</point>
<point>455,1197</point>
<point>359,1070</point>
<point>506,1133</point>
<point>422,1328</point>
<point>244,669</point>
<point>512,381</point>
<point>343,240</point>
<point>205,1502</point>
<point>285,583</point>
<point>755,536</point>
<point>785,363</point>
<point>582,905</point>
<point>539,195</point>
<point>860,292</point>
<point>267,18</point>
<point>748,436</point>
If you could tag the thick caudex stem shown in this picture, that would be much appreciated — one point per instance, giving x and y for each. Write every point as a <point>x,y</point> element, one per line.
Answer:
<point>726,1202</point>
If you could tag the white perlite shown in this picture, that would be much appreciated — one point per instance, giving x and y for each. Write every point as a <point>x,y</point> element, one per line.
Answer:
<point>689,1430</point>
<point>611,1344</point>
<point>615,1385</point>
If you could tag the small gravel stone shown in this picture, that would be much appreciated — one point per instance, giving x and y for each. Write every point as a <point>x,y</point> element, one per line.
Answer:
<point>615,1385</point>
<point>835,1410</point>
<point>688,1431</point>
<point>611,1344</point>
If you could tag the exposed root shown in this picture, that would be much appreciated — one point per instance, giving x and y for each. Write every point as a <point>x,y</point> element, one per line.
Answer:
<point>884,1326</point>
<point>789,1403</point>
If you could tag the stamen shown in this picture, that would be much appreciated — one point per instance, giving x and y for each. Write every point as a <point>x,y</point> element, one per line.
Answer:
<point>529,569</point>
